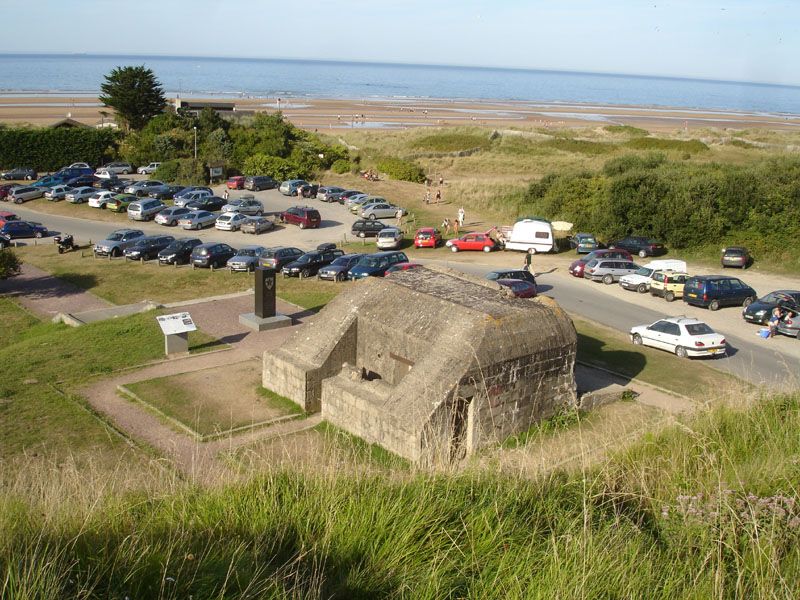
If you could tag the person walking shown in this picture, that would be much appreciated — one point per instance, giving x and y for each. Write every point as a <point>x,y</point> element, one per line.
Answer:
<point>461,216</point>
<point>528,261</point>
<point>427,196</point>
<point>455,227</point>
<point>399,216</point>
<point>446,226</point>
<point>438,196</point>
<point>225,194</point>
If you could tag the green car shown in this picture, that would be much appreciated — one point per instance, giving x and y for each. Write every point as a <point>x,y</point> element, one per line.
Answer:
<point>120,202</point>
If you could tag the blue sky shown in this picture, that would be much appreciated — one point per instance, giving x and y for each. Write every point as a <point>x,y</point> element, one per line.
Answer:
<point>729,39</point>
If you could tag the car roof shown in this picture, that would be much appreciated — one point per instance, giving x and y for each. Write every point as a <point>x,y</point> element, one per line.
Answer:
<point>683,320</point>
<point>123,231</point>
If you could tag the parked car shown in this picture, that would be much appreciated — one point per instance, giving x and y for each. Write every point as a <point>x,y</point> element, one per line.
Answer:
<point>257,183</point>
<point>149,169</point>
<point>640,245</point>
<point>170,215</point>
<point>230,221</point>
<point>608,270</point>
<point>364,228</point>
<point>577,267</point>
<point>427,237</point>
<point>107,184</point>
<point>79,165</point>
<point>684,336</point>
<point>337,270</point>
<point>359,203</point>
<point>583,243</point>
<point>310,263</point>
<point>197,219</point>
<point>57,192</point>
<point>235,183</point>
<point>381,210</point>
<point>70,172</point>
<point>20,174</point>
<point>760,310</point>
<point>178,252</point>
<point>167,193</point>
<point>376,265</point>
<point>116,168</point>
<point>6,216</point>
<point>277,258</point>
<point>144,188</point>
<point>642,278</point>
<point>210,203</point>
<point>23,229</point>
<point>518,288</point>
<point>668,284</point>
<point>148,247</point>
<point>246,259</point>
<point>472,241</point>
<point>389,238</point>
<point>399,267</point>
<point>6,188</point>
<point>211,255</point>
<point>120,202</point>
<point>5,241</point>
<point>80,195</point>
<point>245,206</point>
<point>47,181</point>
<point>100,199</point>
<point>716,291</point>
<point>257,225</point>
<point>23,193</point>
<point>304,216</point>
<point>736,256</point>
<point>193,192</point>
<point>325,192</point>
<point>118,185</point>
<point>307,191</point>
<point>520,274</point>
<point>81,181</point>
<point>145,209</point>
<point>289,188</point>
<point>117,241</point>
<point>357,198</point>
<point>790,323</point>
<point>344,196</point>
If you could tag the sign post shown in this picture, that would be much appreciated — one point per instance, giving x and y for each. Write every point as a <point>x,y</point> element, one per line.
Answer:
<point>176,330</point>
<point>264,315</point>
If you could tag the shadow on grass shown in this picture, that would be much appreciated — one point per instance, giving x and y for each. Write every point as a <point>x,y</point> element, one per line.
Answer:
<point>84,281</point>
<point>49,286</point>
<point>210,345</point>
<point>592,350</point>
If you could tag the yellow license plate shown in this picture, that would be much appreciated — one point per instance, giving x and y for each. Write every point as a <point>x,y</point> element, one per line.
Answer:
<point>714,350</point>
<point>692,295</point>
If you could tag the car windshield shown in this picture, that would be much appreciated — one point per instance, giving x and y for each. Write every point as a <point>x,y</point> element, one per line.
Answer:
<point>734,252</point>
<point>372,261</point>
<point>114,237</point>
<point>307,258</point>
<point>249,252</point>
<point>342,261</point>
<point>698,329</point>
<point>387,234</point>
<point>644,271</point>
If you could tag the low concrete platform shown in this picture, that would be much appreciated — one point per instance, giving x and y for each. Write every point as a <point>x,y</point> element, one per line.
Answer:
<point>265,324</point>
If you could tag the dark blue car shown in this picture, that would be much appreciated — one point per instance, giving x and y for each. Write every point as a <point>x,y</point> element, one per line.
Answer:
<point>716,291</point>
<point>337,270</point>
<point>376,264</point>
<point>23,229</point>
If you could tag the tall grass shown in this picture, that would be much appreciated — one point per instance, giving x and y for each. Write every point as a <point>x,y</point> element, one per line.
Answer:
<point>707,509</point>
<point>691,146</point>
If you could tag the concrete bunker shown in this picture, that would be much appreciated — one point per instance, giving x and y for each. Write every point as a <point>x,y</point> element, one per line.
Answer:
<point>429,363</point>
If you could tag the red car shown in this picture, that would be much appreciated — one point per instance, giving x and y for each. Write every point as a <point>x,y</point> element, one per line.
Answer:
<point>304,216</point>
<point>427,237</point>
<point>235,183</point>
<point>6,216</point>
<point>4,189</point>
<point>472,241</point>
<point>577,266</point>
<point>518,288</point>
<point>402,267</point>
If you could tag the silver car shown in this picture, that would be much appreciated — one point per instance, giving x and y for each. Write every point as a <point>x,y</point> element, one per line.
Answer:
<point>143,188</point>
<point>246,258</point>
<point>170,216</point>
<point>608,270</point>
<point>81,195</point>
<point>257,225</point>
<point>389,238</point>
<point>57,192</point>
<point>145,209</point>
<point>117,241</point>
<point>23,193</point>
<point>380,211</point>
<point>117,168</point>
<point>184,199</point>
<point>197,219</point>
<point>245,206</point>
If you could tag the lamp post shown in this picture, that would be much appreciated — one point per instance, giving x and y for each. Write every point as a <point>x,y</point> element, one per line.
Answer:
<point>195,142</point>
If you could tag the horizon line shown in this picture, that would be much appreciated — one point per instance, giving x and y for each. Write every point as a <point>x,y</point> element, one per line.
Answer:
<point>395,64</point>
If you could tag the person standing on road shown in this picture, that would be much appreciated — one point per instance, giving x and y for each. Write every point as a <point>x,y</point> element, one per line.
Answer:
<point>528,261</point>
<point>225,194</point>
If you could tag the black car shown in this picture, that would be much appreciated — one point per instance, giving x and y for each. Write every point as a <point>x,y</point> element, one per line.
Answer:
<point>82,181</point>
<point>104,183</point>
<point>148,247</point>
<point>308,191</point>
<point>257,183</point>
<point>277,258</point>
<point>168,193</point>
<point>211,255</point>
<point>21,173</point>
<point>760,310</point>
<point>178,252</point>
<point>511,274</point>
<point>5,241</point>
<point>310,263</point>
<point>119,185</point>
<point>364,228</point>
<point>209,203</point>
<point>642,246</point>
<point>23,229</point>
<point>337,270</point>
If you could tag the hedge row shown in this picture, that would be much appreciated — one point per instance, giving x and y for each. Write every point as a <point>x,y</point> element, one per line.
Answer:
<point>46,149</point>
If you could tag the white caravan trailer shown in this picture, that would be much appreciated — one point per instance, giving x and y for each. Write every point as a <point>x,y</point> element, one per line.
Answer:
<point>531,235</point>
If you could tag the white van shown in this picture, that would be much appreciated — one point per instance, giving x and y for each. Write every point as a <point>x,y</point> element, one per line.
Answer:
<point>531,235</point>
<point>640,281</point>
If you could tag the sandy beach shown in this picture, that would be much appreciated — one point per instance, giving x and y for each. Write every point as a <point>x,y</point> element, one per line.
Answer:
<point>335,114</point>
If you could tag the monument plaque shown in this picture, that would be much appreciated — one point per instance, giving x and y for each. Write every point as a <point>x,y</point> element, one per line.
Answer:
<point>264,315</point>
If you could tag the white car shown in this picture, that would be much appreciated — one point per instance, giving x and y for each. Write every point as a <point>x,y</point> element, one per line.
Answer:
<point>640,280</point>
<point>230,221</point>
<point>79,165</point>
<point>100,199</point>
<point>149,169</point>
<point>103,174</point>
<point>682,335</point>
<point>57,192</point>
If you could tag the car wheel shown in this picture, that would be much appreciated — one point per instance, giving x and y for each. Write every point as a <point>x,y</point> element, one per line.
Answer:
<point>453,248</point>
<point>259,213</point>
<point>748,301</point>
<point>642,289</point>
<point>372,217</point>
<point>714,305</point>
<point>302,225</point>
<point>339,277</point>
<point>361,234</point>
<point>116,252</point>
<point>642,254</point>
<point>487,248</point>
<point>669,296</point>
<point>637,339</point>
<point>38,234</point>
<point>608,279</point>
<point>28,178</point>
<point>305,274</point>
<point>681,352</point>
<point>125,172</point>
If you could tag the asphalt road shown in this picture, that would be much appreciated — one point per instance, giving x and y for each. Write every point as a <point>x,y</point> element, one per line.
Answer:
<point>753,359</point>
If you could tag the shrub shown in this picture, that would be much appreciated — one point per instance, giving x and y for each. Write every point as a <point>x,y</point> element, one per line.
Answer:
<point>691,146</point>
<point>341,166</point>
<point>184,170</point>
<point>626,129</point>
<point>579,146</point>
<point>167,171</point>
<point>617,166</point>
<point>402,170</point>
<point>10,264</point>
<point>274,166</point>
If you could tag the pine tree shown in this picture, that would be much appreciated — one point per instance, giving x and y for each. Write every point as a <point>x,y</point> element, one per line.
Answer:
<point>135,94</point>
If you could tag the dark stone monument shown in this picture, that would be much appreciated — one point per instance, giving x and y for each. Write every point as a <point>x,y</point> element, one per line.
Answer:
<point>264,316</point>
